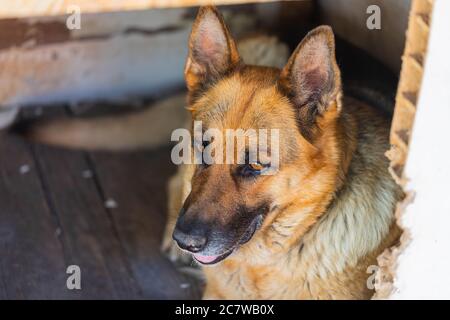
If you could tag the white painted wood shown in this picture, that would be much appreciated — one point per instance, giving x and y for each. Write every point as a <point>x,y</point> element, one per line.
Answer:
<point>423,267</point>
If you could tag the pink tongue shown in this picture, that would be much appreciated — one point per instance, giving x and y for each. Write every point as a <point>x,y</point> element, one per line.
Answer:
<point>205,259</point>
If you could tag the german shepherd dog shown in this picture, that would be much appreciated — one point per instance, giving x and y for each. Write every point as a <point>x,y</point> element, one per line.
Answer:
<point>312,229</point>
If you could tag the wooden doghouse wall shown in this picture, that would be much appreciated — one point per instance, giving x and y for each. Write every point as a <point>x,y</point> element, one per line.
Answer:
<point>112,55</point>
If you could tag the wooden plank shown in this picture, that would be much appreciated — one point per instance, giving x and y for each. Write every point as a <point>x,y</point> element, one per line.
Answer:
<point>111,57</point>
<point>87,234</point>
<point>25,8</point>
<point>32,262</point>
<point>137,182</point>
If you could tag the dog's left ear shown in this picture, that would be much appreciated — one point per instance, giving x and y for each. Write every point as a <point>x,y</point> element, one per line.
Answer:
<point>212,51</point>
<point>311,77</point>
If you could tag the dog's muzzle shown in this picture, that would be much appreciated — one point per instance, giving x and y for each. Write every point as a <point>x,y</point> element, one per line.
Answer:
<point>194,238</point>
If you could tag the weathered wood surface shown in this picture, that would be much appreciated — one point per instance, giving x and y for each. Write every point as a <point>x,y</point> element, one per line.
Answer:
<point>139,190</point>
<point>54,212</point>
<point>32,263</point>
<point>113,56</point>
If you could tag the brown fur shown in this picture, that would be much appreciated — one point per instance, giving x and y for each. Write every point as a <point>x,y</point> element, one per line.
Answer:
<point>330,207</point>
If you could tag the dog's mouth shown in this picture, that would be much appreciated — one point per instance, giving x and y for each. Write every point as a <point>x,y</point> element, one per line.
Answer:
<point>248,234</point>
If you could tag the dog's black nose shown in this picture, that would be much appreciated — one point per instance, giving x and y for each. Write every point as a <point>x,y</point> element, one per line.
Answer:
<point>189,241</point>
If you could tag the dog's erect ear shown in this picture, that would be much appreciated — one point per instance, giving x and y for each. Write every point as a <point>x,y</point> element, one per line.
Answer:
<point>311,77</point>
<point>212,51</point>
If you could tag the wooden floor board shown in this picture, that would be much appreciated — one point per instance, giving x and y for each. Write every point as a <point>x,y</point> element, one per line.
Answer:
<point>32,263</point>
<point>104,212</point>
<point>86,231</point>
<point>139,190</point>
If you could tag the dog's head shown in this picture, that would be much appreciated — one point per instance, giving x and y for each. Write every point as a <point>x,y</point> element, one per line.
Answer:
<point>230,202</point>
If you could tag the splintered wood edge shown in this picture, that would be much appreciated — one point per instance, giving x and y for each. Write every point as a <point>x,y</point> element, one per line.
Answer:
<point>29,8</point>
<point>402,123</point>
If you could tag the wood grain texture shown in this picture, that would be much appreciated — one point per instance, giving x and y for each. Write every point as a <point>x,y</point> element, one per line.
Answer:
<point>87,232</point>
<point>32,263</point>
<point>104,212</point>
<point>139,189</point>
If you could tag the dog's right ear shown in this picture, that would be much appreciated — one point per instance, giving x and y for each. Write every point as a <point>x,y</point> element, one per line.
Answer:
<point>311,78</point>
<point>212,51</point>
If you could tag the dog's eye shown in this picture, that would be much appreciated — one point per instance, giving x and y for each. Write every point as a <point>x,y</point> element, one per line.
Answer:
<point>252,169</point>
<point>256,166</point>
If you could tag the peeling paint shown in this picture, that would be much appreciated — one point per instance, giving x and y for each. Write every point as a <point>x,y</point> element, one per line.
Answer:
<point>26,34</point>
